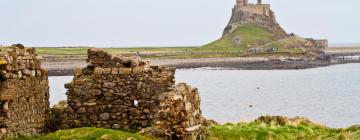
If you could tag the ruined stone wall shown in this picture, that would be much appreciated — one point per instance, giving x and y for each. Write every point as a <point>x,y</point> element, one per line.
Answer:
<point>260,9</point>
<point>120,93</point>
<point>180,115</point>
<point>24,93</point>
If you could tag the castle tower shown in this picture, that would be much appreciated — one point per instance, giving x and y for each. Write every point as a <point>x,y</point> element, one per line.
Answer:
<point>259,2</point>
<point>242,2</point>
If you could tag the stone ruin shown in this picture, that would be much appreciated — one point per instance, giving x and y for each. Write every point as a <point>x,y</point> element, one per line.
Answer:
<point>24,92</point>
<point>121,92</point>
<point>179,115</point>
<point>115,92</point>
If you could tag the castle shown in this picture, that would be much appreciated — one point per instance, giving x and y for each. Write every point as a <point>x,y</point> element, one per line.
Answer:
<point>257,14</point>
<point>259,8</point>
<point>261,15</point>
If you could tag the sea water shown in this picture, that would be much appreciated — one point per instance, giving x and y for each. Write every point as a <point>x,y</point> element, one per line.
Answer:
<point>328,95</point>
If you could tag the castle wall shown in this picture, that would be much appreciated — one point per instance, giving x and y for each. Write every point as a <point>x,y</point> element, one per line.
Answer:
<point>242,2</point>
<point>24,93</point>
<point>260,9</point>
<point>125,93</point>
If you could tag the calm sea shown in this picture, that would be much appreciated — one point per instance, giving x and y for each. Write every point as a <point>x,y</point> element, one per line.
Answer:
<point>328,95</point>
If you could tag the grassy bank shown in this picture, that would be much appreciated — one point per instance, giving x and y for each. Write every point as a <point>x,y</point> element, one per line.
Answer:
<point>90,134</point>
<point>262,131</point>
<point>264,128</point>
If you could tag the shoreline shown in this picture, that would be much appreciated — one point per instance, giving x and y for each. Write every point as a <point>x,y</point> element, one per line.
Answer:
<point>64,67</point>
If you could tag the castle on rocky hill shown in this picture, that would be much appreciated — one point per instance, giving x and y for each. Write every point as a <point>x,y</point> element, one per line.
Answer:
<point>258,14</point>
<point>261,16</point>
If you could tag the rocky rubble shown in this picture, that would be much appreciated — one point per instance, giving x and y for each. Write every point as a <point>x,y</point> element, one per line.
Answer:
<point>24,92</point>
<point>122,92</point>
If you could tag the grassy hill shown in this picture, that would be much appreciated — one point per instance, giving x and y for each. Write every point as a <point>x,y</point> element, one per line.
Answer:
<point>250,36</point>
<point>242,38</point>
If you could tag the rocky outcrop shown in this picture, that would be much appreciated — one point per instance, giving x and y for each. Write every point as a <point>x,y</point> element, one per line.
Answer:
<point>24,92</point>
<point>281,121</point>
<point>121,92</point>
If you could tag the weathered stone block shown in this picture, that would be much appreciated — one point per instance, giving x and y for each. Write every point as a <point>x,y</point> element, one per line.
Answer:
<point>98,70</point>
<point>96,92</point>
<point>125,71</point>
<point>109,85</point>
<point>79,82</point>
<point>81,110</point>
<point>106,70</point>
<point>104,116</point>
<point>137,70</point>
<point>115,71</point>
<point>4,97</point>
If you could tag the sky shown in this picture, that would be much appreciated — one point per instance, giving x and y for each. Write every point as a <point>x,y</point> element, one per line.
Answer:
<point>138,23</point>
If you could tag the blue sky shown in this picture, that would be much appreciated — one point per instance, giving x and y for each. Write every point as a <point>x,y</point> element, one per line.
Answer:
<point>161,22</point>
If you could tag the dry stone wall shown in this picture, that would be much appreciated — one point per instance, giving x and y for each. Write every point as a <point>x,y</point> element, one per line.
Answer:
<point>121,92</point>
<point>24,92</point>
<point>180,115</point>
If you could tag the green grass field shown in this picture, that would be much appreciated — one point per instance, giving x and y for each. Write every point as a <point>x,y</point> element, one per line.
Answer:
<point>224,47</point>
<point>44,51</point>
<point>83,50</point>
<point>263,131</point>
<point>264,128</point>
<point>88,133</point>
